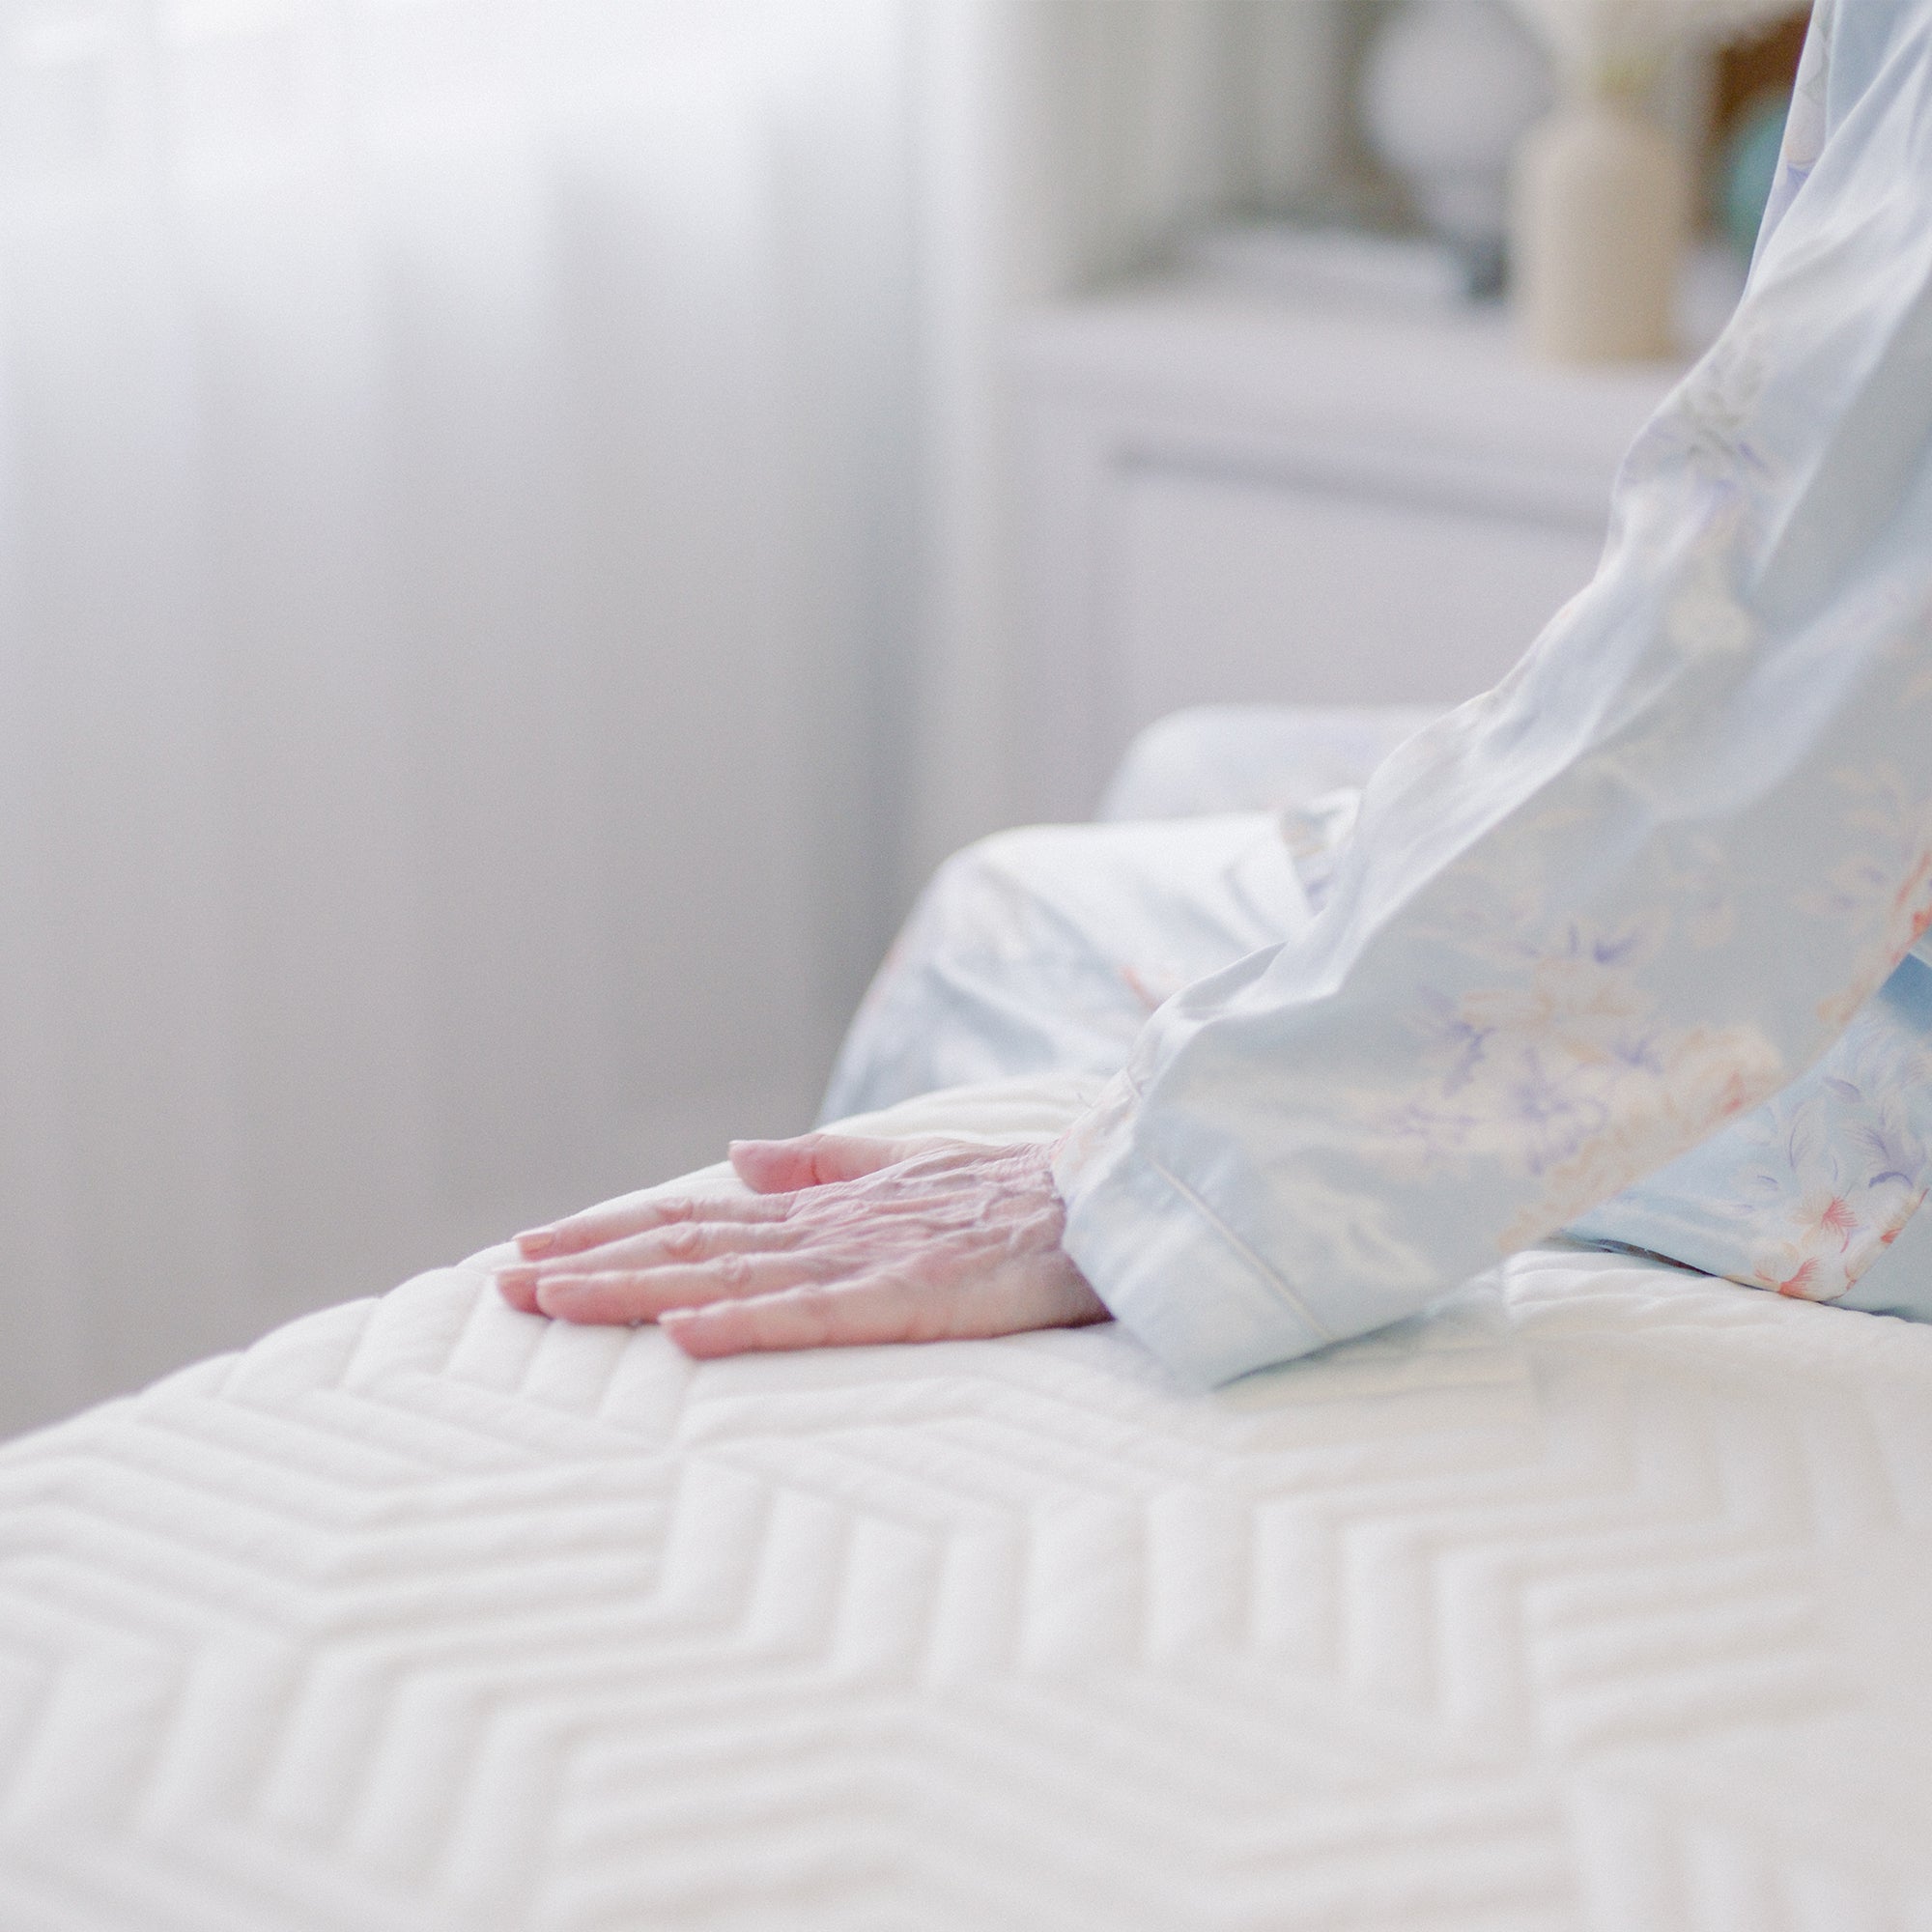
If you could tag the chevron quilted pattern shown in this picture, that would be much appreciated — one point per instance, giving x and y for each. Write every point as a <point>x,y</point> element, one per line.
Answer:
<point>1596,1600</point>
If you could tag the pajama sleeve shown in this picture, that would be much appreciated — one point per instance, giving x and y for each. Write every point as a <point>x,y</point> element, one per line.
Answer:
<point>1638,889</point>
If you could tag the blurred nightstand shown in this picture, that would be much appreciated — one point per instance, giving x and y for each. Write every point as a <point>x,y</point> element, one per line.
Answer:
<point>1226,496</point>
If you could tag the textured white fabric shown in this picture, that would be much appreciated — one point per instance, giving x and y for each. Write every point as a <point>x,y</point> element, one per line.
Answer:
<point>1595,1598</point>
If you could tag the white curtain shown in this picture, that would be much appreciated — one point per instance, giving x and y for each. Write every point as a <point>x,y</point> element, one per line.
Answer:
<point>502,585</point>
<point>452,470</point>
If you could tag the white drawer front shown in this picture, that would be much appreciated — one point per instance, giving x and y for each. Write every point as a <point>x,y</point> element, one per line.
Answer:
<point>1237,588</point>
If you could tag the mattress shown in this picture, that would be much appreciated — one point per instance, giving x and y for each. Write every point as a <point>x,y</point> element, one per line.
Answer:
<point>1596,1599</point>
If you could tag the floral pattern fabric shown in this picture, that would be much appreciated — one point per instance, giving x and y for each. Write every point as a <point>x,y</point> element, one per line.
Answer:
<point>1048,948</point>
<point>1641,904</point>
<point>1807,1194</point>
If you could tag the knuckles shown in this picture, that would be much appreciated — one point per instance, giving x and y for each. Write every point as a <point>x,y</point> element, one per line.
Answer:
<point>732,1271</point>
<point>684,1242</point>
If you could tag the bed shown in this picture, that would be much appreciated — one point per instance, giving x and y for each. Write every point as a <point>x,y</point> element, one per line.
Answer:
<point>1596,1599</point>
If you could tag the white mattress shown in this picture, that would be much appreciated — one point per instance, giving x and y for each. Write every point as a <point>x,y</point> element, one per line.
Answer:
<point>1599,1600</point>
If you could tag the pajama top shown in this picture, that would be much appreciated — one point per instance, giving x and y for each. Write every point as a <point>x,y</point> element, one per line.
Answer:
<point>1636,925</point>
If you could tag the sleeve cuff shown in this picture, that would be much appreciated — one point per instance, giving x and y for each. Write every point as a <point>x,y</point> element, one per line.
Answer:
<point>1169,1272</point>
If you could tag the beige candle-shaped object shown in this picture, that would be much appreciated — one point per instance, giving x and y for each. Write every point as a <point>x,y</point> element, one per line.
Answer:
<point>1601,196</point>
<point>1600,222</point>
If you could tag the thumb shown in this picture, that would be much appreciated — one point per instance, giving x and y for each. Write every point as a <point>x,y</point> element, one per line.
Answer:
<point>780,1167</point>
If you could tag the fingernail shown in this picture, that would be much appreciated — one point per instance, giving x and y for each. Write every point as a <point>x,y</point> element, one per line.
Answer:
<point>516,1277</point>
<point>535,1241</point>
<point>557,1294</point>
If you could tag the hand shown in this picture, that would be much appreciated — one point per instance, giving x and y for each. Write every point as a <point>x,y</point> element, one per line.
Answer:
<point>842,1240</point>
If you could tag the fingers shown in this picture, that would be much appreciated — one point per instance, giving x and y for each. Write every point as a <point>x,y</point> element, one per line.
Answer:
<point>681,1241</point>
<point>813,1315</point>
<point>681,1251</point>
<point>870,1240</point>
<point>644,1295</point>
<point>812,1160</point>
<point>769,1168</point>
<point>596,1227</point>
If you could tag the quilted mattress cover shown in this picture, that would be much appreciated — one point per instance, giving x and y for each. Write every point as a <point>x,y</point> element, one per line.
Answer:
<point>1598,1599</point>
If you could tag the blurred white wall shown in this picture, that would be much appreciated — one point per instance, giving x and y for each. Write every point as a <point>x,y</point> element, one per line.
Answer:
<point>1061,143</point>
<point>503,585</point>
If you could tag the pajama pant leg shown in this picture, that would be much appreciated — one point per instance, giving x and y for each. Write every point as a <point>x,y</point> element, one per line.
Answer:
<point>1045,950</point>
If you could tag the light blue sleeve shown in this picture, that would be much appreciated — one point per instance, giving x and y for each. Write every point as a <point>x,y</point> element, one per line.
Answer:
<point>1639,888</point>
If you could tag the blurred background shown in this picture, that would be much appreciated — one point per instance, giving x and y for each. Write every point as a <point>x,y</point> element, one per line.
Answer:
<point>528,526</point>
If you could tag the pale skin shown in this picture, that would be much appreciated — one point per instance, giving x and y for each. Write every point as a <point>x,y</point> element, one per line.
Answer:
<point>842,1240</point>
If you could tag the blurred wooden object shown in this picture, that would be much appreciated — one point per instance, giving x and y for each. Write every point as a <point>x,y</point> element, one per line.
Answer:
<point>1752,68</point>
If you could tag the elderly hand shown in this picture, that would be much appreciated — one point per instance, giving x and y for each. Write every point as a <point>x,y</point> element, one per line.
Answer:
<point>842,1240</point>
